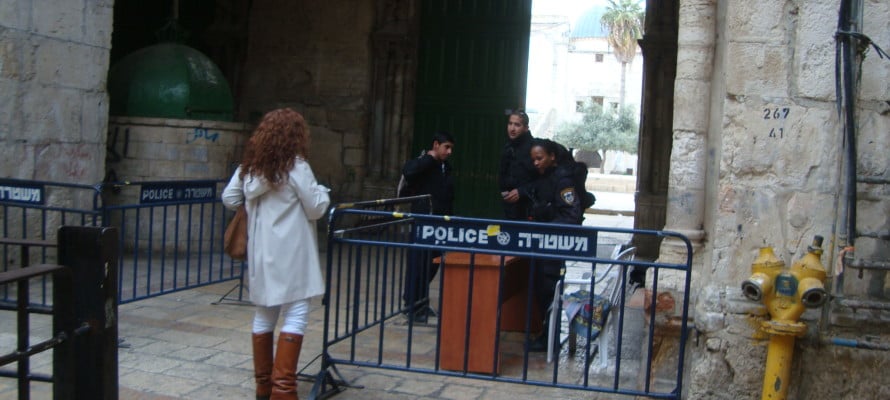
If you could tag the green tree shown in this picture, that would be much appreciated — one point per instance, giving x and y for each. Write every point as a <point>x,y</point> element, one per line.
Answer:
<point>601,131</point>
<point>623,20</point>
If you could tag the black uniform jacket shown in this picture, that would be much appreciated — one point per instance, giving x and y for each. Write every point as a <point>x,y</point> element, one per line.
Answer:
<point>553,198</point>
<point>517,171</point>
<point>426,175</point>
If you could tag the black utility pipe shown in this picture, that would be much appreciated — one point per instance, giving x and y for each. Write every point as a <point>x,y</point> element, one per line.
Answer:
<point>848,51</point>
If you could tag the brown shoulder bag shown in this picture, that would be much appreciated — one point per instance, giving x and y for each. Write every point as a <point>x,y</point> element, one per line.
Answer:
<point>235,238</point>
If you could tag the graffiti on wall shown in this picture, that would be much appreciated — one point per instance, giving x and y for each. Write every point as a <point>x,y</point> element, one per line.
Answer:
<point>76,158</point>
<point>200,133</point>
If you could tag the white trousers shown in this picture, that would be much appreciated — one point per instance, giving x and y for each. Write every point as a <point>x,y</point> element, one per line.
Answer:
<point>265,318</point>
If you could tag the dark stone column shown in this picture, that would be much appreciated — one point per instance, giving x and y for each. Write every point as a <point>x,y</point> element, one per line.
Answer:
<point>659,48</point>
<point>394,42</point>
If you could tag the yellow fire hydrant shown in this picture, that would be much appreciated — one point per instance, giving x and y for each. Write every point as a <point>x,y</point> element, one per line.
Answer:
<point>785,293</point>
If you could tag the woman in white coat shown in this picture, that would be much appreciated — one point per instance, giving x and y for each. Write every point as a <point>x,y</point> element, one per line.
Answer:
<point>283,202</point>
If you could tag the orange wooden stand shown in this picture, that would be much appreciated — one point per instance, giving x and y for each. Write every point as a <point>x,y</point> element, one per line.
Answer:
<point>483,357</point>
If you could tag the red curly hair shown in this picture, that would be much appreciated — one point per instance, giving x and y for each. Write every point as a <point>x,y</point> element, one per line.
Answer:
<point>271,151</point>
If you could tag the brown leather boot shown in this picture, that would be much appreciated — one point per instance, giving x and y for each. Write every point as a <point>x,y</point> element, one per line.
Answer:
<point>284,373</point>
<point>262,364</point>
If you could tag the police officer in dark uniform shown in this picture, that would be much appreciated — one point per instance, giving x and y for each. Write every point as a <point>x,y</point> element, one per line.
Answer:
<point>516,169</point>
<point>552,198</point>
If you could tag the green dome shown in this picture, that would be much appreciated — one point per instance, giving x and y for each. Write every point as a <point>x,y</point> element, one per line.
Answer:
<point>169,80</point>
<point>589,24</point>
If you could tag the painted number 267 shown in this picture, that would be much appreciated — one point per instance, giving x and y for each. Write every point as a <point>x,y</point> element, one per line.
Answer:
<point>776,113</point>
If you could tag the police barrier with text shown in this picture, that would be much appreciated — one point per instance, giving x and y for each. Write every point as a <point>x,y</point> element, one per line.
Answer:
<point>366,323</point>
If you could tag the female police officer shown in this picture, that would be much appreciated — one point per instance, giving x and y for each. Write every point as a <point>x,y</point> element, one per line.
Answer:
<point>552,198</point>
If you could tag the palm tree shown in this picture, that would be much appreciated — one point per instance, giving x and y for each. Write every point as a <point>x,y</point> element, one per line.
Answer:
<point>623,20</point>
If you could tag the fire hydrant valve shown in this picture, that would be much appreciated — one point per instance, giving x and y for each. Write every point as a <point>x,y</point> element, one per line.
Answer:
<point>786,293</point>
<point>756,285</point>
<point>788,328</point>
<point>812,292</point>
<point>764,270</point>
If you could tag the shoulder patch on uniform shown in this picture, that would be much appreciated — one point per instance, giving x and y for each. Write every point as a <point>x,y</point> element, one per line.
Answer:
<point>568,195</point>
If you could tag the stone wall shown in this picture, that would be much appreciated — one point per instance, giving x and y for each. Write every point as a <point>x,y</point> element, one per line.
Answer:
<point>158,149</point>
<point>54,107</point>
<point>760,165</point>
<point>315,57</point>
<point>53,104</point>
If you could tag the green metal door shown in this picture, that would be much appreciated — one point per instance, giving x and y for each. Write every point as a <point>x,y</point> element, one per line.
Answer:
<point>472,67</point>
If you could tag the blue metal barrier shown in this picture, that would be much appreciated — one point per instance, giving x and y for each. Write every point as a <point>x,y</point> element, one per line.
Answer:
<point>170,232</point>
<point>34,210</point>
<point>366,323</point>
<point>171,235</point>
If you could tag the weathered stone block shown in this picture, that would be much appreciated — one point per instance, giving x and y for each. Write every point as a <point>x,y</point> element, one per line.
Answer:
<point>315,116</point>
<point>875,70</point>
<point>812,75</point>
<point>9,104</point>
<point>190,135</point>
<point>807,214</point>
<point>18,59</point>
<point>353,140</point>
<point>71,65</point>
<point>51,114</point>
<point>689,156</point>
<point>69,162</point>
<point>94,125</point>
<point>694,63</point>
<point>15,14</point>
<point>16,160</point>
<point>755,69</point>
<point>786,144</point>
<point>814,43</point>
<point>194,153</point>
<point>193,170</point>
<point>697,25</point>
<point>127,171</point>
<point>99,17</point>
<point>873,142</point>
<point>151,152</point>
<point>185,145</point>
<point>64,19</point>
<point>709,321</point>
<point>769,26</point>
<point>691,105</point>
<point>683,208</point>
<point>10,55</point>
<point>354,157</point>
<point>166,170</point>
<point>348,120</point>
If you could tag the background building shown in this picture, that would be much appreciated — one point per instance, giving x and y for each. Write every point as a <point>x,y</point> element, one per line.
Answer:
<point>570,62</point>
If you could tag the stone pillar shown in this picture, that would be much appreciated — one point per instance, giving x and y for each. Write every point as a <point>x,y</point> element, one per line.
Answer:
<point>689,155</point>
<point>394,43</point>
<point>53,103</point>
<point>659,47</point>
